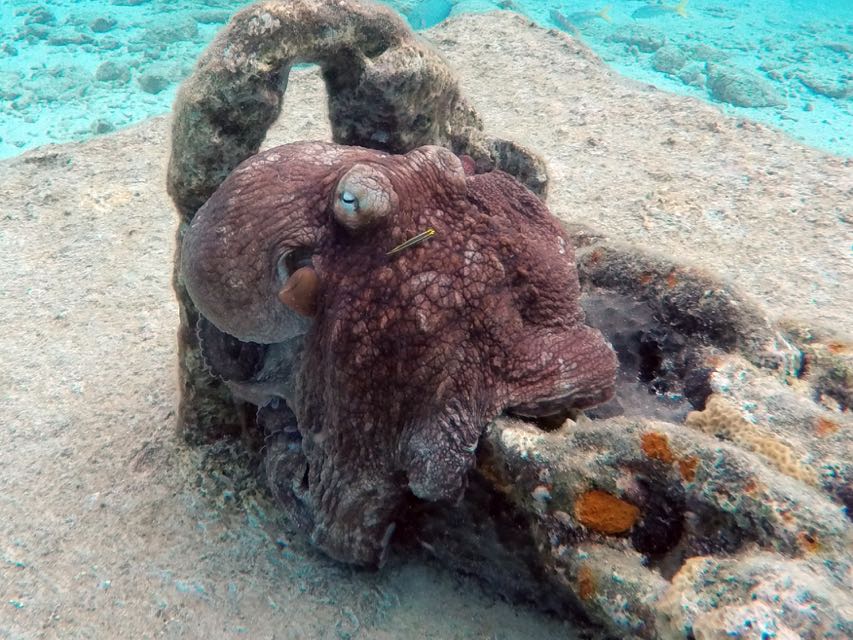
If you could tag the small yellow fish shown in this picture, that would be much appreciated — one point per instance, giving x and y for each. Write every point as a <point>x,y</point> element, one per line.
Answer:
<point>658,10</point>
<point>411,242</point>
<point>579,17</point>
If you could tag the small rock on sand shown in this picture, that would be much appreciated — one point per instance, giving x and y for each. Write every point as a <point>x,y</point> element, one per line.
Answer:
<point>740,87</point>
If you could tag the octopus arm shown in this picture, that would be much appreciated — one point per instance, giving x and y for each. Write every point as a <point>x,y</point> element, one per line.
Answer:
<point>354,510</point>
<point>437,450</point>
<point>571,369</point>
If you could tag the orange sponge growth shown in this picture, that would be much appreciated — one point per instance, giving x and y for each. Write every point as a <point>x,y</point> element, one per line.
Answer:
<point>656,445</point>
<point>586,583</point>
<point>825,427</point>
<point>687,466</point>
<point>605,513</point>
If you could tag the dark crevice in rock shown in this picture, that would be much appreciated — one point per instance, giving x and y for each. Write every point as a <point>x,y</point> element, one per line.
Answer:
<point>486,536</point>
<point>226,357</point>
<point>652,357</point>
<point>661,525</point>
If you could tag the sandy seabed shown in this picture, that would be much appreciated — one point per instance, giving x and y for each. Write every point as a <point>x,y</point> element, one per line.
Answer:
<point>110,527</point>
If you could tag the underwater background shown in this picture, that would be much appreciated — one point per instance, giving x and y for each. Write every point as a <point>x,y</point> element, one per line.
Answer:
<point>111,526</point>
<point>72,69</point>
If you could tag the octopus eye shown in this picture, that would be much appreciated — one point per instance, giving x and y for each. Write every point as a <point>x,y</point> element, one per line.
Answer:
<point>291,261</point>
<point>349,202</point>
<point>281,271</point>
<point>363,196</point>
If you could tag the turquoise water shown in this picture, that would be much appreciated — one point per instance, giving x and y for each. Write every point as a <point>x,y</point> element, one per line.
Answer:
<point>73,69</point>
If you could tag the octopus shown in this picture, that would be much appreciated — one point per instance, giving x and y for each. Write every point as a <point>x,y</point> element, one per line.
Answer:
<point>381,310</point>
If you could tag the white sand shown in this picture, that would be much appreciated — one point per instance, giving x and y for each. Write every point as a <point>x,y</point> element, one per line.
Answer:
<point>111,528</point>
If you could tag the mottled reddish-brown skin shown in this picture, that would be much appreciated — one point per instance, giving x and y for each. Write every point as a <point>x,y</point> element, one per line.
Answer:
<point>409,356</point>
